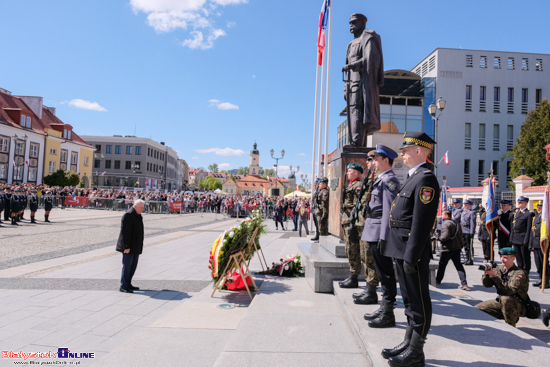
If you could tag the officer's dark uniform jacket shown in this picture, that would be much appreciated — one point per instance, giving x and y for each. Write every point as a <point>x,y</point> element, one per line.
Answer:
<point>48,203</point>
<point>521,228</point>
<point>24,201</point>
<point>457,213</point>
<point>15,204</point>
<point>483,234</point>
<point>535,231</point>
<point>412,216</point>
<point>504,221</point>
<point>33,203</point>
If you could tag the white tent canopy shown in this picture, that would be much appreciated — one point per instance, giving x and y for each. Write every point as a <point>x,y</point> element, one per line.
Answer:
<point>297,193</point>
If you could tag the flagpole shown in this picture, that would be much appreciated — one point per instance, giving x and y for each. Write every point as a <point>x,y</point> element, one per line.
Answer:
<point>544,266</point>
<point>321,100</point>
<point>327,107</point>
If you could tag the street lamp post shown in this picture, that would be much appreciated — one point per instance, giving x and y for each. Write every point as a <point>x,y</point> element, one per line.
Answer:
<point>135,167</point>
<point>101,157</point>
<point>277,164</point>
<point>435,111</point>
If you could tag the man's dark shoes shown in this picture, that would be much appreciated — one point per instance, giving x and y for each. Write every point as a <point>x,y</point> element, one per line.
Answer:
<point>546,317</point>
<point>413,355</point>
<point>126,290</point>
<point>469,262</point>
<point>357,295</point>
<point>350,282</point>
<point>369,298</point>
<point>398,349</point>
<point>316,238</point>
<point>537,284</point>
<point>375,314</point>
<point>134,288</point>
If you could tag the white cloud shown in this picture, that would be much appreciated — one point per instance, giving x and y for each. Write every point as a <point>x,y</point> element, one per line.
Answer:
<point>86,105</point>
<point>223,105</point>
<point>301,154</point>
<point>194,157</point>
<point>169,15</point>
<point>253,76</point>
<point>224,166</point>
<point>220,151</point>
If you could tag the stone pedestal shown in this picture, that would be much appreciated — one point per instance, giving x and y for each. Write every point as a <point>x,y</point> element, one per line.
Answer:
<point>336,173</point>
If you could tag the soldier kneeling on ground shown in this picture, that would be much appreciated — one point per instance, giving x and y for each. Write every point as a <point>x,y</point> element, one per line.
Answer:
<point>512,284</point>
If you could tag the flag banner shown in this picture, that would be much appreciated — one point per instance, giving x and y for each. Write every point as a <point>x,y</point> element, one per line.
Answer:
<point>492,211</point>
<point>323,23</point>
<point>544,222</point>
<point>446,158</point>
<point>27,163</point>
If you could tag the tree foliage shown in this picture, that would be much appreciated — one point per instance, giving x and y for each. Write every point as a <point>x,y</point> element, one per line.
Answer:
<point>62,178</point>
<point>210,183</point>
<point>269,172</point>
<point>528,151</point>
<point>243,171</point>
<point>213,167</point>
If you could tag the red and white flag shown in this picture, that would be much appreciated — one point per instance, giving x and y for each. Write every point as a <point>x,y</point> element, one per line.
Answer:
<point>27,163</point>
<point>323,23</point>
<point>446,158</point>
<point>14,164</point>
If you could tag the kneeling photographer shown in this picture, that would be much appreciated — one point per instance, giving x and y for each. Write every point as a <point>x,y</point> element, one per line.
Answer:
<point>512,284</point>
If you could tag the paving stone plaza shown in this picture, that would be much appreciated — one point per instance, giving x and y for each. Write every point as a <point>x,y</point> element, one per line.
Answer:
<point>59,289</point>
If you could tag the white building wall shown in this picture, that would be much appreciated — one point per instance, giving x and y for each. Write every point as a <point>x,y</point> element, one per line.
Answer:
<point>452,76</point>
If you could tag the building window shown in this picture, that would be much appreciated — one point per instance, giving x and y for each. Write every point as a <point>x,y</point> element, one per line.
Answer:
<point>23,119</point>
<point>18,173</point>
<point>481,136</point>
<point>496,137</point>
<point>118,149</point>
<point>19,148</point>
<point>466,172</point>
<point>33,151</point>
<point>86,161</point>
<point>96,163</point>
<point>69,134</point>
<point>29,122</point>
<point>63,156</point>
<point>432,63</point>
<point>511,65</point>
<point>128,149</point>
<point>74,157</point>
<point>468,98</point>
<point>53,151</point>
<point>468,136</point>
<point>524,100</point>
<point>128,165</point>
<point>138,150</point>
<point>538,65</point>
<point>510,100</point>
<point>4,145</point>
<point>538,97</point>
<point>137,165</point>
<point>108,163</point>
<point>64,133</point>
<point>509,137</point>
<point>424,68</point>
<point>495,168</point>
<point>3,171</point>
<point>496,62</point>
<point>496,103</point>
<point>32,174</point>
<point>482,98</point>
<point>524,63</point>
<point>51,167</point>
<point>117,164</point>
<point>483,62</point>
<point>108,149</point>
<point>480,171</point>
<point>469,61</point>
<point>98,148</point>
<point>508,167</point>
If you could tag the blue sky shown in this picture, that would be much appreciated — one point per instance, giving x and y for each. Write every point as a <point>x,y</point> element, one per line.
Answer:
<point>211,77</point>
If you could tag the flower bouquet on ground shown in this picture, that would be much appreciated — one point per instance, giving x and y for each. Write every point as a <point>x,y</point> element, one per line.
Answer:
<point>291,267</point>
<point>232,241</point>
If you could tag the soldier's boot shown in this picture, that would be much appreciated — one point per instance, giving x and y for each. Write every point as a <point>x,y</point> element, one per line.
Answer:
<point>413,356</point>
<point>370,298</point>
<point>398,349</point>
<point>385,319</point>
<point>350,282</point>
<point>375,314</point>
<point>316,238</point>
<point>546,317</point>
<point>32,219</point>
<point>46,218</point>
<point>357,295</point>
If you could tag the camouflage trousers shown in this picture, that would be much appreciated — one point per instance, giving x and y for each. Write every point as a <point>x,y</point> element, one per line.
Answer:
<point>366,257</point>
<point>323,224</point>
<point>509,309</point>
<point>353,250</point>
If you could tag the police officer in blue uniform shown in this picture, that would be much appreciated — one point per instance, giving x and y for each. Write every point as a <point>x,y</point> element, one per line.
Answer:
<point>457,210</point>
<point>520,235</point>
<point>48,204</point>
<point>468,224</point>
<point>376,233</point>
<point>412,216</point>
<point>2,198</point>
<point>33,205</point>
<point>7,202</point>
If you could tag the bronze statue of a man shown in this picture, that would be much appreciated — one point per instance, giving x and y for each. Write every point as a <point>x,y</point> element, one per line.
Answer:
<point>365,74</point>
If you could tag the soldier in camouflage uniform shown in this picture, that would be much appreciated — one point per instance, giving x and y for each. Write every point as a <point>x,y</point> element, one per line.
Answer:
<point>351,236</point>
<point>321,199</point>
<point>512,284</point>
<point>369,295</point>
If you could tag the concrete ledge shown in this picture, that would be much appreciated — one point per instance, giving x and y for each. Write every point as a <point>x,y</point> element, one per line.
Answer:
<point>332,245</point>
<point>460,334</point>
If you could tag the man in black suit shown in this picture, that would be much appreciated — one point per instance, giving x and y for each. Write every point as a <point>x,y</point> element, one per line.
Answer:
<point>412,216</point>
<point>504,224</point>
<point>130,243</point>
<point>520,235</point>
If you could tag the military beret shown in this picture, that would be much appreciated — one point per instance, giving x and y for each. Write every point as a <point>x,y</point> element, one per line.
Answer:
<point>417,138</point>
<point>384,150</point>
<point>324,179</point>
<point>523,198</point>
<point>505,202</point>
<point>507,251</point>
<point>468,202</point>
<point>456,201</point>
<point>356,167</point>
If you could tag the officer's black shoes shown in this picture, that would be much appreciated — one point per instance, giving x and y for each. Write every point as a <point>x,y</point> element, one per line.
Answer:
<point>350,282</point>
<point>357,295</point>
<point>133,288</point>
<point>123,290</point>
<point>546,317</point>
<point>46,218</point>
<point>375,314</point>
<point>537,284</point>
<point>413,356</point>
<point>316,238</point>
<point>369,298</point>
<point>398,349</point>
<point>469,262</point>
<point>13,222</point>
<point>385,319</point>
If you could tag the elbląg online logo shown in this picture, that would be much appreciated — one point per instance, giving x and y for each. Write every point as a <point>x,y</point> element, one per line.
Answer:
<point>62,353</point>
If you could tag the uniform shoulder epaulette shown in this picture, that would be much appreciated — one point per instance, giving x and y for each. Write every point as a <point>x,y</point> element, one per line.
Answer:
<point>426,171</point>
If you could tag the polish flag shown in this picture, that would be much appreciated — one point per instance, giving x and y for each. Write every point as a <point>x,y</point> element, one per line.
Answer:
<point>27,163</point>
<point>323,22</point>
<point>446,158</point>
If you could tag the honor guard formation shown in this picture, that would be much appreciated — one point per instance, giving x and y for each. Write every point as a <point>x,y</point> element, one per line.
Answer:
<point>388,225</point>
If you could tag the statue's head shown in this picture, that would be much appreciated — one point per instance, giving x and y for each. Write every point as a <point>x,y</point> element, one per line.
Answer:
<point>359,20</point>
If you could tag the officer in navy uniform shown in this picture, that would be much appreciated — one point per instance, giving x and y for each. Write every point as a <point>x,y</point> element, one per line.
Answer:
<point>537,250</point>
<point>520,235</point>
<point>412,216</point>
<point>376,233</point>
<point>7,202</point>
<point>504,221</point>
<point>2,198</point>
<point>15,206</point>
<point>457,210</point>
<point>48,204</point>
<point>33,205</point>
<point>468,224</point>
<point>24,201</point>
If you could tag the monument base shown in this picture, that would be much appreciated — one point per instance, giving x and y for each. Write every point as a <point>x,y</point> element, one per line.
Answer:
<point>336,174</point>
